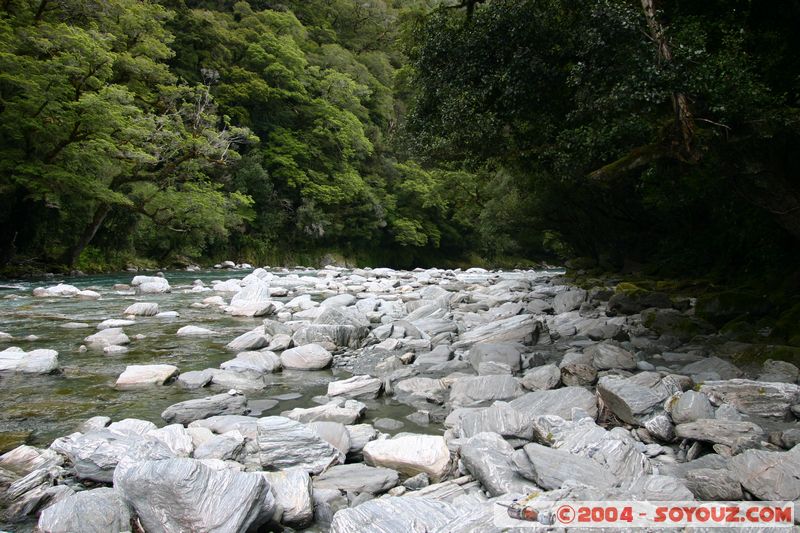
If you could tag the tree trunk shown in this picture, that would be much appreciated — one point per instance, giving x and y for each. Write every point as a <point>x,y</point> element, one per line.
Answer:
<point>88,234</point>
<point>684,122</point>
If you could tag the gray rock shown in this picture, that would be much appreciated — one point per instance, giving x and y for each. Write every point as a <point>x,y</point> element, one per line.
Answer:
<point>150,285</point>
<point>577,370</point>
<point>334,433</point>
<point>473,391</point>
<point>360,435</point>
<point>521,328</point>
<point>420,481</point>
<point>34,362</point>
<point>330,412</point>
<point>175,437</point>
<point>661,428</point>
<point>410,454</point>
<point>165,496</point>
<point>550,468</point>
<point>93,511</point>
<point>263,362</point>
<point>292,491</point>
<point>541,378</point>
<point>93,423</point>
<point>307,357</point>
<point>493,368</point>
<point>771,476</point>
<point>96,455</point>
<point>285,443</point>
<point>488,458</point>
<point>107,337</point>
<point>659,488</point>
<point>771,400</point>
<point>195,331</point>
<point>723,368</point>
<point>691,406</point>
<point>568,301</point>
<point>724,432</point>
<point>506,353</point>
<point>191,410</point>
<point>349,336</point>
<point>616,450</point>
<point>356,387</point>
<point>229,379</point>
<point>226,447</point>
<point>500,418</point>
<point>779,371</point>
<point>252,300</point>
<point>427,389</point>
<point>559,402</point>
<point>727,412</point>
<point>24,459</point>
<point>357,478</point>
<point>635,399</point>
<point>713,485</point>
<point>136,376</point>
<point>387,424</point>
<point>252,340</point>
<point>195,379</point>
<point>142,309</point>
<point>340,300</point>
<point>406,515</point>
<point>607,356</point>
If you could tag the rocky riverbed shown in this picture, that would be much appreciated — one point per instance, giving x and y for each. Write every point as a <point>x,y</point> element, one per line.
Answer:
<point>371,400</point>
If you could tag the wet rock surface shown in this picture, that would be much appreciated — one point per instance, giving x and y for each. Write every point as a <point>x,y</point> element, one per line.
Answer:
<point>375,399</point>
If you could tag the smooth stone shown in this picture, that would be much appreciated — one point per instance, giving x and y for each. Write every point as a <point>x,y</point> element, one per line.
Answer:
<point>607,356</point>
<point>488,458</point>
<point>508,354</point>
<point>356,387</point>
<point>713,485</point>
<point>307,357</point>
<point>357,478</point>
<point>252,340</point>
<point>191,410</point>
<point>165,496</point>
<point>387,424</point>
<point>544,377</point>
<point>108,337</point>
<point>194,379</point>
<point>34,362</point>
<point>725,432</point>
<point>293,494</point>
<point>100,510</point>
<point>550,468</point>
<point>285,443</point>
<point>557,402</point>
<point>195,331</point>
<point>330,412</point>
<point>691,406</point>
<point>142,309</point>
<point>410,454</point>
<point>769,476</point>
<point>115,323</point>
<point>150,285</point>
<point>263,362</point>
<point>474,391</point>
<point>771,400</point>
<point>115,350</point>
<point>145,376</point>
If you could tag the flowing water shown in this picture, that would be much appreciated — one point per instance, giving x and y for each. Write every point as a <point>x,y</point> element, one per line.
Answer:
<point>40,408</point>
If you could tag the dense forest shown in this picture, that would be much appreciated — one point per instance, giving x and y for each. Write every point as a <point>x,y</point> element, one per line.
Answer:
<point>627,134</point>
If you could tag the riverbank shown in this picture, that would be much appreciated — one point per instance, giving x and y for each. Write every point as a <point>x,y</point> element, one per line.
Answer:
<point>327,398</point>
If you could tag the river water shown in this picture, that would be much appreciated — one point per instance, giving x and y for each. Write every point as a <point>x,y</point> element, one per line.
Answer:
<point>41,408</point>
